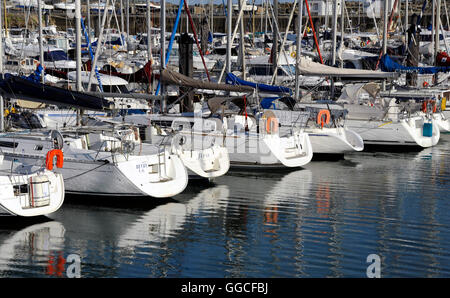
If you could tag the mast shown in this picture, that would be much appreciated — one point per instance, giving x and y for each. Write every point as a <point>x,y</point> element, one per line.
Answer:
<point>335,12</point>
<point>437,41</point>
<point>99,44</point>
<point>122,19</point>
<point>433,20</point>
<point>385,28</point>
<point>88,12</point>
<point>229,29</point>
<point>2,115</point>
<point>78,42</point>
<point>446,15</point>
<point>128,22</point>
<point>333,57</point>
<point>291,16</point>
<point>78,53</point>
<point>275,39</point>
<point>241,42</point>
<point>41,46</point>
<point>163,47</point>
<point>342,28</point>
<point>406,17</point>
<point>211,16</point>
<point>298,50</point>
<point>436,28</point>
<point>1,38</point>
<point>149,31</point>
<point>262,18</point>
<point>266,10</point>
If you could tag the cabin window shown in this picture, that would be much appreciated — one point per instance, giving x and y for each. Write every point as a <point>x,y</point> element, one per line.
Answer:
<point>280,72</point>
<point>115,89</point>
<point>261,71</point>
<point>123,89</point>
<point>55,55</point>
<point>109,88</point>
<point>38,147</point>
<point>8,144</point>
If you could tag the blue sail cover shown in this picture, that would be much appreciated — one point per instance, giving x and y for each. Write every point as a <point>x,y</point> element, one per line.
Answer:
<point>231,79</point>
<point>36,75</point>
<point>389,65</point>
<point>267,102</point>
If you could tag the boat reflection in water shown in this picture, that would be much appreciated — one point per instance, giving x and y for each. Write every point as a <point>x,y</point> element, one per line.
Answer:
<point>320,221</point>
<point>36,250</point>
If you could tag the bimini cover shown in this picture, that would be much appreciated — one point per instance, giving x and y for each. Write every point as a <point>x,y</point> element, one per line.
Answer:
<point>308,67</point>
<point>231,79</point>
<point>355,93</point>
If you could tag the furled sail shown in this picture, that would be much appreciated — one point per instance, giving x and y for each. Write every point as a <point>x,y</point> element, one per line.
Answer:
<point>308,67</point>
<point>12,86</point>
<point>171,77</point>
<point>234,80</point>
<point>387,64</point>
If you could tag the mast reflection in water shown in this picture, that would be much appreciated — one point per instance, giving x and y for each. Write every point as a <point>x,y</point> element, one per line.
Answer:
<point>320,221</point>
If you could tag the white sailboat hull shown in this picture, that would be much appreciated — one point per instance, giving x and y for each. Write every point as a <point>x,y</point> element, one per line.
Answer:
<point>405,132</point>
<point>335,140</point>
<point>207,163</point>
<point>268,151</point>
<point>210,161</point>
<point>138,176</point>
<point>45,194</point>
<point>446,113</point>
<point>442,121</point>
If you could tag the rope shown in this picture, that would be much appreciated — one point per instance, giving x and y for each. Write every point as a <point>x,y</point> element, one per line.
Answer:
<point>314,31</point>
<point>195,36</point>
<point>76,176</point>
<point>389,25</point>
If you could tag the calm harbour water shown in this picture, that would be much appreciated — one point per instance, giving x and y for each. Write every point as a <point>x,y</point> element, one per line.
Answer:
<point>320,221</point>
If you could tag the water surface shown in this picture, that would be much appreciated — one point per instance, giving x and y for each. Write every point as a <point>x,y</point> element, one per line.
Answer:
<point>319,221</point>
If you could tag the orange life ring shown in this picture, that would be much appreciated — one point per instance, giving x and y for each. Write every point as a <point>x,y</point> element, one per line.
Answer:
<point>269,127</point>
<point>49,159</point>
<point>320,117</point>
<point>424,106</point>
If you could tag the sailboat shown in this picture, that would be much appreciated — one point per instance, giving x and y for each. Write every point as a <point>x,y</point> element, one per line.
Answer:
<point>28,190</point>
<point>386,119</point>
<point>101,170</point>
<point>324,123</point>
<point>202,159</point>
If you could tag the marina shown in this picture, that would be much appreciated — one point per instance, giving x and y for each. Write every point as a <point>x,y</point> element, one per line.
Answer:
<point>237,140</point>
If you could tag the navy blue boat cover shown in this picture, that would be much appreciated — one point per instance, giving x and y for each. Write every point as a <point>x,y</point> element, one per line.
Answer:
<point>389,65</point>
<point>231,79</point>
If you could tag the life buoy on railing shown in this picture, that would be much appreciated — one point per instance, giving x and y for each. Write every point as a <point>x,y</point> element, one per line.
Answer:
<point>443,104</point>
<point>272,125</point>
<point>50,156</point>
<point>320,120</point>
<point>294,54</point>
<point>434,106</point>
